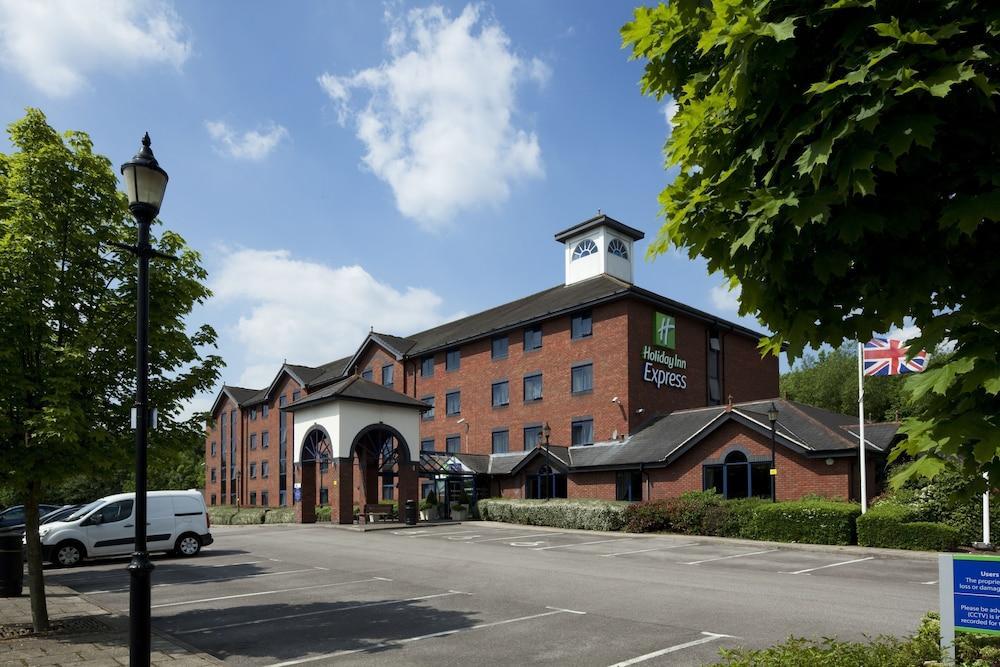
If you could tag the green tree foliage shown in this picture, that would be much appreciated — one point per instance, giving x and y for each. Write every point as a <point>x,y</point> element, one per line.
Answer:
<point>837,159</point>
<point>829,380</point>
<point>67,324</point>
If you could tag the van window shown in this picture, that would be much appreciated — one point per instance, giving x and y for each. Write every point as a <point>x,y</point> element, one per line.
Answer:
<point>118,511</point>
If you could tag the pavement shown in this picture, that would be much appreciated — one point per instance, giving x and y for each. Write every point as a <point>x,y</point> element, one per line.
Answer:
<point>482,593</point>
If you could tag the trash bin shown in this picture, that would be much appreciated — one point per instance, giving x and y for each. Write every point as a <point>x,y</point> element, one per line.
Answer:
<point>410,513</point>
<point>11,566</point>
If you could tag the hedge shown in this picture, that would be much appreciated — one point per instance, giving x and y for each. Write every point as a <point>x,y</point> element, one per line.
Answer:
<point>894,526</point>
<point>809,521</point>
<point>324,513</point>
<point>280,515</point>
<point>557,512</point>
<point>246,517</point>
<point>222,515</point>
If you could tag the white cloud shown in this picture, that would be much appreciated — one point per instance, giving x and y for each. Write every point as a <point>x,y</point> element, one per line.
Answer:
<point>251,145</point>
<point>311,313</point>
<point>905,332</point>
<point>669,111</point>
<point>57,43</point>
<point>725,299</point>
<point>438,123</point>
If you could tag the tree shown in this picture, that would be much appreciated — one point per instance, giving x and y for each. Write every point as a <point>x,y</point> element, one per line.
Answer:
<point>67,324</point>
<point>838,160</point>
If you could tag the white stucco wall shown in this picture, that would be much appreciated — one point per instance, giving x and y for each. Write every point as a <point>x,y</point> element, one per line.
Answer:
<point>601,261</point>
<point>344,419</point>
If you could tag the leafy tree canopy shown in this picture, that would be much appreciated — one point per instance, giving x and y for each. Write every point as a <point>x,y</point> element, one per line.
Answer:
<point>838,160</point>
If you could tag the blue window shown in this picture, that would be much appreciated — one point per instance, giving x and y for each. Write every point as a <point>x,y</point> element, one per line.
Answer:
<point>282,498</point>
<point>253,414</point>
<point>501,442</point>
<point>265,469</point>
<point>584,248</point>
<point>427,366</point>
<point>453,444</point>
<point>429,415</point>
<point>387,487</point>
<point>533,338</point>
<point>583,432</point>
<point>628,485</point>
<point>427,445</point>
<point>253,441</point>
<point>265,439</point>
<point>387,375</point>
<point>582,325</point>
<point>453,403</point>
<point>367,374</point>
<point>501,394</point>
<point>264,410</point>
<point>253,471</point>
<point>533,388</point>
<point>452,360</point>
<point>532,437</point>
<point>499,345</point>
<point>582,378</point>
<point>617,247</point>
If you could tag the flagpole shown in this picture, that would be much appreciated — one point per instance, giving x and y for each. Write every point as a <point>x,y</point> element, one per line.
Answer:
<point>861,428</point>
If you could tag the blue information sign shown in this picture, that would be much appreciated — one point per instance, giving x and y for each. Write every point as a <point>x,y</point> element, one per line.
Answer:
<point>297,494</point>
<point>976,590</point>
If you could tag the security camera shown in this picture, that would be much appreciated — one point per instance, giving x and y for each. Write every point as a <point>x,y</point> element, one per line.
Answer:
<point>640,411</point>
<point>615,400</point>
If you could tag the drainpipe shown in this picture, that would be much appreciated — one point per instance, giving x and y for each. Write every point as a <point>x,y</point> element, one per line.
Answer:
<point>649,489</point>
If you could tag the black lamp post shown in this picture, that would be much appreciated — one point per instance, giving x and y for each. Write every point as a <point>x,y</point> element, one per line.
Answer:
<point>547,431</point>
<point>772,416</point>
<point>145,183</point>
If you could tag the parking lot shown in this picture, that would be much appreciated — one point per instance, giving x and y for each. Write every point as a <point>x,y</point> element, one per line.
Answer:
<point>482,594</point>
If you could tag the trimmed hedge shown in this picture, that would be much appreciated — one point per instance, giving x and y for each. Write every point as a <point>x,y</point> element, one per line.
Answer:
<point>280,515</point>
<point>247,517</point>
<point>810,521</point>
<point>895,526</point>
<point>324,513</point>
<point>557,512</point>
<point>221,515</point>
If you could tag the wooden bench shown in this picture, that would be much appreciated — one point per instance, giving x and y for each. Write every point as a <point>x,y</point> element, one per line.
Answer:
<point>379,510</point>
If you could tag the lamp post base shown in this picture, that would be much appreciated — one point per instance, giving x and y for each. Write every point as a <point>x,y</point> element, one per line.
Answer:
<point>140,571</point>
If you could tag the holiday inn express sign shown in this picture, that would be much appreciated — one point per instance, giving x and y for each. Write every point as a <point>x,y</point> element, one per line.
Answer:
<point>664,336</point>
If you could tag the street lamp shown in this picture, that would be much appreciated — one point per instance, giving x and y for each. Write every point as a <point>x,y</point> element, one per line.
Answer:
<point>547,431</point>
<point>145,183</point>
<point>772,416</point>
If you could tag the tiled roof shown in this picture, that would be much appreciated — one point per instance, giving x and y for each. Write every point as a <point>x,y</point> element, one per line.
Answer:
<point>357,388</point>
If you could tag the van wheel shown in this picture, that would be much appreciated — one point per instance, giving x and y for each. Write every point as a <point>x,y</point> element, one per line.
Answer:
<point>187,545</point>
<point>68,554</point>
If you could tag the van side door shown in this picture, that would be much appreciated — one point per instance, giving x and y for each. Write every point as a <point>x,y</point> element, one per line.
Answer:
<point>160,532</point>
<point>111,530</point>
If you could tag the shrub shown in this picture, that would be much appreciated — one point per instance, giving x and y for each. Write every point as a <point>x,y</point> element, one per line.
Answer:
<point>558,513</point>
<point>648,517</point>
<point>739,518</point>
<point>280,515</point>
<point>893,525</point>
<point>222,515</point>
<point>811,521</point>
<point>246,517</point>
<point>324,513</point>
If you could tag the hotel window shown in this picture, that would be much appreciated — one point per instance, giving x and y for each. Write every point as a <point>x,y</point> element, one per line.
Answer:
<point>367,374</point>
<point>533,338</point>
<point>452,360</point>
<point>429,415</point>
<point>617,247</point>
<point>282,498</point>
<point>427,366</point>
<point>583,431</point>
<point>265,469</point>
<point>296,395</point>
<point>584,248</point>
<point>501,394</point>
<point>324,496</point>
<point>253,497</point>
<point>582,377</point>
<point>214,449</point>
<point>253,414</point>
<point>214,499</point>
<point>388,489</point>
<point>263,411</point>
<point>427,445</point>
<point>453,444</point>
<point>498,347</point>
<point>533,388</point>
<point>214,476</point>
<point>738,477</point>
<point>263,498</point>
<point>581,325</point>
<point>501,441</point>
<point>253,441</point>
<point>714,368</point>
<point>265,439</point>
<point>253,471</point>
<point>387,375</point>
<point>453,403</point>
<point>628,485</point>
<point>532,437</point>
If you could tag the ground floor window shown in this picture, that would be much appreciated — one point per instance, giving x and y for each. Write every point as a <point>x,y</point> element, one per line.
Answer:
<point>213,499</point>
<point>282,498</point>
<point>628,485</point>
<point>546,483</point>
<point>737,477</point>
<point>324,496</point>
<point>264,498</point>
<point>388,488</point>
<point>253,498</point>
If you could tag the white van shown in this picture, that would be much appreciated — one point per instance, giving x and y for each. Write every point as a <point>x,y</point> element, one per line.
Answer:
<point>176,521</point>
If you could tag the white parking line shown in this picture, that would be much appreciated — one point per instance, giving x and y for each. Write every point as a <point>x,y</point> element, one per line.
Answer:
<point>208,581</point>
<point>249,562</point>
<point>642,551</point>
<point>409,640</point>
<point>454,532</point>
<point>709,637</point>
<point>282,590</point>
<point>928,583</point>
<point>364,605</point>
<point>578,544</point>
<point>823,567</point>
<point>515,537</point>
<point>709,560</point>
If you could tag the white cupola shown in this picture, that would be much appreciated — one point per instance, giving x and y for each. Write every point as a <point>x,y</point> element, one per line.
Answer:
<point>599,245</point>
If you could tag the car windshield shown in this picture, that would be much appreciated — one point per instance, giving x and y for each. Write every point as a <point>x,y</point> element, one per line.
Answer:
<point>83,511</point>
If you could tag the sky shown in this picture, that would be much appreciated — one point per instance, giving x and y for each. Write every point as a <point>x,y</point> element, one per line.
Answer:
<point>355,164</point>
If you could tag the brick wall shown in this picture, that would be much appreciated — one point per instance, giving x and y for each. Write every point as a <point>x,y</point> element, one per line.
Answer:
<point>747,376</point>
<point>594,485</point>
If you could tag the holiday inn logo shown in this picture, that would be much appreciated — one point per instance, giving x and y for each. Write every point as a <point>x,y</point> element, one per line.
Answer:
<point>664,331</point>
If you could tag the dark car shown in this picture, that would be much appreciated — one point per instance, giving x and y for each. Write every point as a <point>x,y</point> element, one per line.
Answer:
<point>12,518</point>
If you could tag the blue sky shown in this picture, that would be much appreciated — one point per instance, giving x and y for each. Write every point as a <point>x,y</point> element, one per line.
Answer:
<point>353,164</point>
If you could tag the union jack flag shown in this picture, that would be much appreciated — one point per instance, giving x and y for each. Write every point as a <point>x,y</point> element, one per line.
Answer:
<point>888,357</point>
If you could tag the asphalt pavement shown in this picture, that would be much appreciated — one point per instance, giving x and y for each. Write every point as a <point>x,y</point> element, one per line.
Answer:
<point>482,594</point>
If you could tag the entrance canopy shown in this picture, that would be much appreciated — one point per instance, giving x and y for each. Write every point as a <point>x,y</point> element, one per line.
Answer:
<point>351,408</point>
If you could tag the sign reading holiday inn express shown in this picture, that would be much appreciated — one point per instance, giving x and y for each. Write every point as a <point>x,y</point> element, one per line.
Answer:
<point>656,356</point>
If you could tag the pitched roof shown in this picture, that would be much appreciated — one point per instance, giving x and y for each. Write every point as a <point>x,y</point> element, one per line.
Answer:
<point>598,221</point>
<point>356,388</point>
<point>239,395</point>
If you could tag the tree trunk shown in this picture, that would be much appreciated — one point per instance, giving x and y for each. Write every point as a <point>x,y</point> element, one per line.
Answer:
<point>36,581</point>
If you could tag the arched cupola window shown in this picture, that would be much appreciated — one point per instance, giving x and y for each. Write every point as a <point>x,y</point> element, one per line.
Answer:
<point>584,248</point>
<point>617,247</point>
